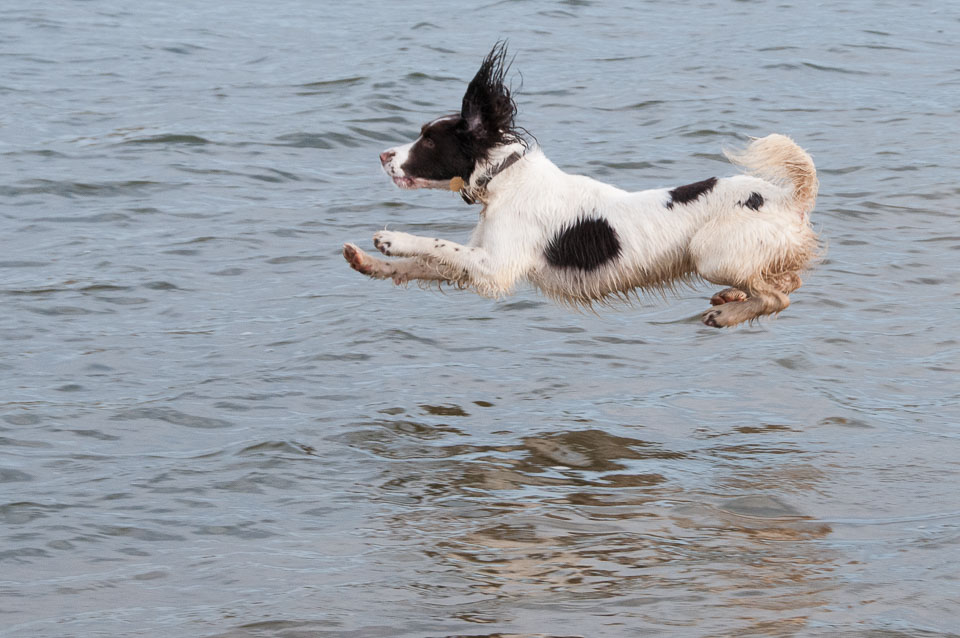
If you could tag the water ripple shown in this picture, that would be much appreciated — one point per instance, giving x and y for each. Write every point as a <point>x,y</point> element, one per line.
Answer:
<point>205,410</point>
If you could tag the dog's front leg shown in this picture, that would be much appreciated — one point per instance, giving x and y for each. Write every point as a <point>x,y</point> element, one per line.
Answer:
<point>400,270</point>
<point>474,264</point>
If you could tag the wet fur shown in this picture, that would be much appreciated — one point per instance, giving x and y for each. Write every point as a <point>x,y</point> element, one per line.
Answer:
<point>582,241</point>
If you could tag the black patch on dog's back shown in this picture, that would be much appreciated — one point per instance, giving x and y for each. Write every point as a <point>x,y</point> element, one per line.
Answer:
<point>587,244</point>
<point>754,202</point>
<point>691,192</point>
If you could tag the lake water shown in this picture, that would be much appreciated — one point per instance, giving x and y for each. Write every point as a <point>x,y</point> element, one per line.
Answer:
<point>211,426</point>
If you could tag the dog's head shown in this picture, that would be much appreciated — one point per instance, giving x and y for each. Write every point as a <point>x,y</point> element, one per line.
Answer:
<point>453,145</point>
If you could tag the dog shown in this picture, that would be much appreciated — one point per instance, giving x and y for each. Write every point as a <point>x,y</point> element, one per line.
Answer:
<point>582,241</point>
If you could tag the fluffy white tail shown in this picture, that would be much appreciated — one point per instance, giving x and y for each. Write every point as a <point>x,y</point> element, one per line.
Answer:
<point>778,158</point>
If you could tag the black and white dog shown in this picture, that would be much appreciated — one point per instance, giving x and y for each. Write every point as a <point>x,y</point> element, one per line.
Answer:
<point>583,241</point>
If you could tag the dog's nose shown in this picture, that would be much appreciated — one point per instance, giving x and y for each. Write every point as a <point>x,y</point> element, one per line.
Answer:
<point>386,156</point>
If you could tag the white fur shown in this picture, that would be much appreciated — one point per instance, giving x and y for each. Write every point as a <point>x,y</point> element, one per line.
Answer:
<point>758,253</point>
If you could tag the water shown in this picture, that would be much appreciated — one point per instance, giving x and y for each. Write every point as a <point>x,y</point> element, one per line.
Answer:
<point>211,426</point>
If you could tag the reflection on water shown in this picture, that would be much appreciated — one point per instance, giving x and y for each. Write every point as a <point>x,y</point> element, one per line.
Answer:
<point>211,426</point>
<point>572,516</point>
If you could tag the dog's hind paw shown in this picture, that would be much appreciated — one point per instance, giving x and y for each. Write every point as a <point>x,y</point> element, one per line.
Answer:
<point>727,295</point>
<point>732,313</point>
<point>710,318</point>
<point>722,317</point>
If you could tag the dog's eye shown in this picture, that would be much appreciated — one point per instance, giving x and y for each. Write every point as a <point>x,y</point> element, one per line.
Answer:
<point>428,143</point>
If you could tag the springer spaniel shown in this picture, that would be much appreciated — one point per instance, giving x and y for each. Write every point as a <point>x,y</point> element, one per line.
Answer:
<point>582,241</point>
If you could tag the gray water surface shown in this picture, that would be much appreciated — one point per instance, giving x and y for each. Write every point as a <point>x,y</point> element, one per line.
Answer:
<point>211,426</point>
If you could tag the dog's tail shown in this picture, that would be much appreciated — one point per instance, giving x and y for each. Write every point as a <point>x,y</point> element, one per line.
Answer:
<point>779,159</point>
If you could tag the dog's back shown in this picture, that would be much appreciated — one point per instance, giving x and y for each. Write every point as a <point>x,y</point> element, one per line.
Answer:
<point>583,241</point>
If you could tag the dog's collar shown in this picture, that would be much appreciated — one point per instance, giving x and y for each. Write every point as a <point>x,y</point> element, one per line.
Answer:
<point>472,193</point>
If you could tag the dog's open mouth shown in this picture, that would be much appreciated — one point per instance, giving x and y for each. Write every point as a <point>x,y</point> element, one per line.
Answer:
<point>411,183</point>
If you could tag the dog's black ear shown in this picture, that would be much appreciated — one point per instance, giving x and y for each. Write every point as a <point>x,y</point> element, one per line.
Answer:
<point>488,109</point>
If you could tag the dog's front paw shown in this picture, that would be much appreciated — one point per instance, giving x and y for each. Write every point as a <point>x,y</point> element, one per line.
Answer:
<point>395,244</point>
<point>358,259</point>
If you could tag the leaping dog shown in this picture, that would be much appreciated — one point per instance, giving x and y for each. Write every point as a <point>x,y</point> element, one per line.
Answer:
<point>582,241</point>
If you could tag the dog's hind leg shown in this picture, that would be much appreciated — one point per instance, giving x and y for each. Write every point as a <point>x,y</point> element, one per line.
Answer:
<point>785,282</point>
<point>758,258</point>
<point>762,299</point>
